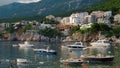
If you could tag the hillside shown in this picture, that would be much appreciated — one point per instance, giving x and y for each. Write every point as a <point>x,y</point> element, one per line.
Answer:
<point>113,5</point>
<point>31,11</point>
<point>45,7</point>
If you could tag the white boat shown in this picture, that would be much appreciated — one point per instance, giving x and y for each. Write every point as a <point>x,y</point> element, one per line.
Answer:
<point>76,45</point>
<point>15,45</point>
<point>72,61</point>
<point>19,60</point>
<point>101,43</point>
<point>26,44</point>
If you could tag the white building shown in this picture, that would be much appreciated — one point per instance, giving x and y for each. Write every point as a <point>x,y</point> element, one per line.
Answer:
<point>102,17</point>
<point>85,26</point>
<point>50,17</point>
<point>117,18</point>
<point>43,26</point>
<point>85,18</point>
<point>88,19</point>
<point>78,18</point>
<point>65,20</point>
<point>58,19</point>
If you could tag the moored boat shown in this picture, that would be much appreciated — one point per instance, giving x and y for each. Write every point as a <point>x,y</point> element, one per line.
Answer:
<point>101,43</point>
<point>19,60</point>
<point>76,45</point>
<point>98,58</point>
<point>26,45</point>
<point>72,61</point>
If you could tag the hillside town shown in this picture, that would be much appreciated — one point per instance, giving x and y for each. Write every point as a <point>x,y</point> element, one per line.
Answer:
<point>29,30</point>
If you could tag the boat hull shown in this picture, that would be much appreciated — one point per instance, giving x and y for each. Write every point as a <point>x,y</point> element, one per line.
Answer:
<point>99,59</point>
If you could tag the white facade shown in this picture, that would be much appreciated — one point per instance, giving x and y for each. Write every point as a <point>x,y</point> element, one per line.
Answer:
<point>117,18</point>
<point>78,18</point>
<point>65,20</point>
<point>85,26</point>
<point>84,17</point>
<point>102,17</point>
<point>50,17</point>
<point>43,26</point>
<point>88,19</point>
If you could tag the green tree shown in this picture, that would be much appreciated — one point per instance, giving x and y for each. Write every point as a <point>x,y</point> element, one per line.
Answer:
<point>95,28</point>
<point>27,27</point>
<point>48,21</point>
<point>104,27</point>
<point>49,32</point>
<point>74,29</point>
<point>116,31</point>
<point>10,29</point>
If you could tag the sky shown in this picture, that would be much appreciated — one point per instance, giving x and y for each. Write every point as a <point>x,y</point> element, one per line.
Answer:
<point>4,2</point>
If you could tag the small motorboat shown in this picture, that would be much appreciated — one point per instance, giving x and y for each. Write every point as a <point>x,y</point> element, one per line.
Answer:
<point>15,45</point>
<point>72,61</point>
<point>45,51</point>
<point>19,60</point>
<point>75,46</point>
<point>26,45</point>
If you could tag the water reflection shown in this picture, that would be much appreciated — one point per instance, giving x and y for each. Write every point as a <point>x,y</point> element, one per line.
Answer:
<point>7,53</point>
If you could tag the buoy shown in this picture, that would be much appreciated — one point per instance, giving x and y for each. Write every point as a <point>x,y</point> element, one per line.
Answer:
<point>84,65</point>
<point>11,66</point>
<point>55,63</point>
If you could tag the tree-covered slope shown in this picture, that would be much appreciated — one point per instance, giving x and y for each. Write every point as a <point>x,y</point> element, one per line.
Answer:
<point>113,5</point>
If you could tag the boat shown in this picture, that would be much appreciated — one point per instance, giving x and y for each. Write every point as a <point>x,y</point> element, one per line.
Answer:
<point>19,60</point>
<point>101,43</point>
<point>98,58</point>
<point>72,61</point>
<point>15,45</point>
<point>76,45</point>
<point>45,51</point>
<point>25,45</point>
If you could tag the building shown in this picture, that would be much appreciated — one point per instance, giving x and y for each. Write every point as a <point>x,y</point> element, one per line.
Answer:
<point>88,19</point>
<point>102,17</point>
<point>117,18</point>
<point>50,17</point>
<point>65,20</point>
<point>78,18</point>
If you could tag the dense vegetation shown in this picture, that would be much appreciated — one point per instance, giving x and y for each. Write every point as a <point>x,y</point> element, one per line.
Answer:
<point>49,21</point>
<point>16,19</point>
<point>49,32</point>
<point>98,28</point>
<point>113,5</point>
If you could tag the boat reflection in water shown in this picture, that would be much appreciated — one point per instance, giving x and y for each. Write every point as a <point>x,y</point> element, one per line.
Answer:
<point>45,51</point>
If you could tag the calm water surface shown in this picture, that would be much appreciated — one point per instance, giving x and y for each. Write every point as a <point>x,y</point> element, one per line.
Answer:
<point>8,54</point>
